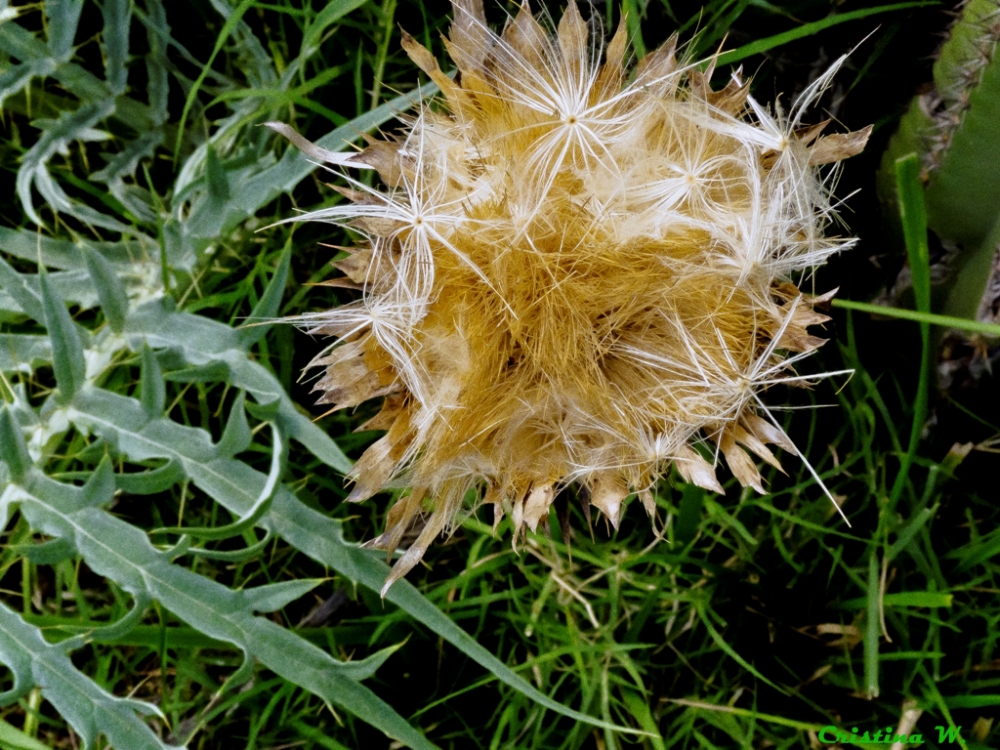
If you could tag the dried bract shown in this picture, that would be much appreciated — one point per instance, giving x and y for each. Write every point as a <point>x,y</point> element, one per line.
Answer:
<point>574,274</point>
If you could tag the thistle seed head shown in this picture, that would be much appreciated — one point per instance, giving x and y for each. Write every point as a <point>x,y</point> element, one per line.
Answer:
<point>574,274</point>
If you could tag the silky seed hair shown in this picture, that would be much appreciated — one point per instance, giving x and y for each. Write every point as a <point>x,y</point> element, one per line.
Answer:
<point>575,273</point>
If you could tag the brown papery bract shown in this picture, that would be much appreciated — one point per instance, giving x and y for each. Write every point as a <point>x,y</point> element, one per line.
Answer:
<point>574,274</point>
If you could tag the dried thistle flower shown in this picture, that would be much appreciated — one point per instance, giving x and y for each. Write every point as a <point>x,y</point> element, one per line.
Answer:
<point>573,276</point>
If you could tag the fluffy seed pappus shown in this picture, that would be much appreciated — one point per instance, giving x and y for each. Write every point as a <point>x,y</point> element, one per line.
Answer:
<point>576,273</point>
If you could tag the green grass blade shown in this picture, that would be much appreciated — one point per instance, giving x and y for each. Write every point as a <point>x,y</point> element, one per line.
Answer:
<point>971,555</point>
<point>730,651</point>
<point>257,64</point>
<point>938,700</point>
<point>972,701</point>
<point>633,18</point>
<point>12,738</point>
<point>269,303</point>
<point>748,714</point>
<point>945,321</point>
<point>638,707</point>
<point>808,29</point>
<point>331,13</point>
<point>873,628</point>
<point>904,599</point>
<point>907,534</point>
<point>913,213</point>
<point>227,30</point>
